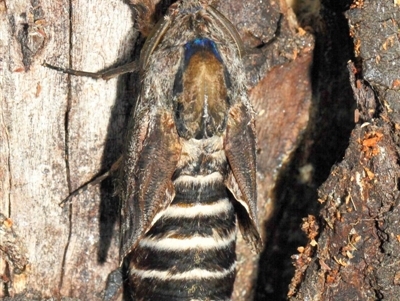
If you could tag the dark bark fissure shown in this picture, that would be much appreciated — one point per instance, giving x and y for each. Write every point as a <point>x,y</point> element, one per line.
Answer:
<point>323,144</point>
<point>9,165</point>
<point>66,144</point>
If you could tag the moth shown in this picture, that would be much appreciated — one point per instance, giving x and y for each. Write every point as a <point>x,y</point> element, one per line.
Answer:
<point>188,175</point>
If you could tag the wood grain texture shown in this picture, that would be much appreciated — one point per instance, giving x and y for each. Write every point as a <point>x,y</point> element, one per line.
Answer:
<point>32,157</point>
<point>53,132</point>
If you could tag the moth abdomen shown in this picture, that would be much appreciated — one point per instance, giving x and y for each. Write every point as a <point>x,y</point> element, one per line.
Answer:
<point>189,251</point>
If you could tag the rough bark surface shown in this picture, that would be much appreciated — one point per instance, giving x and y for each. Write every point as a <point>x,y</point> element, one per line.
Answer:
<point>356,254</point>
<point>59,131</point>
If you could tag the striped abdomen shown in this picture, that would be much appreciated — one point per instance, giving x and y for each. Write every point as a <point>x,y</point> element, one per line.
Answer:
<point>189,252</point>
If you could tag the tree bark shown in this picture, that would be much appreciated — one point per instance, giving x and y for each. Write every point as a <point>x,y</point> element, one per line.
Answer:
<point>54,131</point>
<point>353,247</point>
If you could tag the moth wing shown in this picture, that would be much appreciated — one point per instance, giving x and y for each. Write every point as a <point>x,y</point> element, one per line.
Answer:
<point>240,149</point>
<point>150,161</point>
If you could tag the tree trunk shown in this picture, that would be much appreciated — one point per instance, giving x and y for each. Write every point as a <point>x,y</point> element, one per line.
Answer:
<point>353,249</point>
<point>57,132</point>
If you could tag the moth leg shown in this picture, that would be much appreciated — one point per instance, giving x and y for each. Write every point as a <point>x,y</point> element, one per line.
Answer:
<point>93,182</point>
<point>106,75</point>
<point>114,286</point>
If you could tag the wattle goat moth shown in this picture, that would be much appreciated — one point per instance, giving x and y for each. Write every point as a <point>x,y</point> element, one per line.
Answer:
<point>188,175</point>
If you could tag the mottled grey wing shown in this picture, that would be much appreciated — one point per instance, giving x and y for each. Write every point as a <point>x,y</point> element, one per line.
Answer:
<point>240,149</point>
<point>149,163</point>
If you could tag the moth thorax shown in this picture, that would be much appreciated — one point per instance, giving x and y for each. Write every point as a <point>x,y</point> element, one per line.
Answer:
<point>201,91</point>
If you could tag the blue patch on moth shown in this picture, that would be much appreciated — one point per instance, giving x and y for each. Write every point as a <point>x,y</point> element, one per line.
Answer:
<point>200,44</point>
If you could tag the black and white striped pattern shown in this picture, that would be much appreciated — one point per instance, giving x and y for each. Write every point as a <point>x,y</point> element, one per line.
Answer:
<point>189,252</point>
